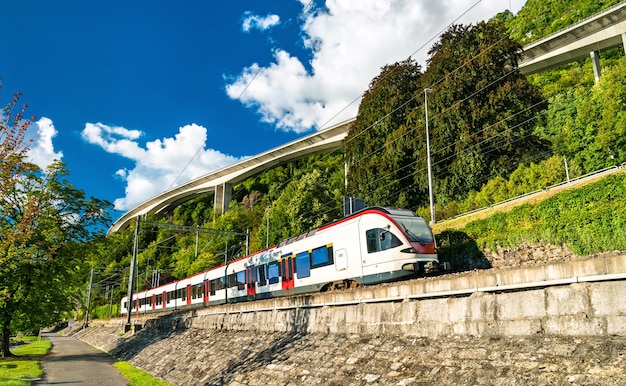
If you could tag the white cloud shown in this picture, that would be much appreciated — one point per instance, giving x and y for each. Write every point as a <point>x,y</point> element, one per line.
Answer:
<point>349,42</point>
<point>261,23</point>
<point>41,150</point>
<point>159,162</point>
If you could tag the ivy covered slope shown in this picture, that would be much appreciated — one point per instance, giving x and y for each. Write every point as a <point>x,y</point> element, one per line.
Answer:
<point>587,220</point>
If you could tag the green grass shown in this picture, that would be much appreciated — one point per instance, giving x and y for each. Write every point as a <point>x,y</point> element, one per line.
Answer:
<point>138,377</point>
<point>34,346</point>
<point>17,371</point>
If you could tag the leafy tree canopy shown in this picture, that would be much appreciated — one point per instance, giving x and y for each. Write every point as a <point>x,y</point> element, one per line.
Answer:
<point>45,223</point>
<point>482,116</point>
<point>381,146</point>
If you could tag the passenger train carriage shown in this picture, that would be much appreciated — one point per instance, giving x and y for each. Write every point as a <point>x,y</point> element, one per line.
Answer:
<point>371,246</point>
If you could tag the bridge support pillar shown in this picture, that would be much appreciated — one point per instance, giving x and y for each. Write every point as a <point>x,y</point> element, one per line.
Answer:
<point>223,195</point>
<point>595,63</point>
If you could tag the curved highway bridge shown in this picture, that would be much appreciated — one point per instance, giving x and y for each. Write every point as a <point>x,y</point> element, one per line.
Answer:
<point>221,181</point>
<point>604,30</point>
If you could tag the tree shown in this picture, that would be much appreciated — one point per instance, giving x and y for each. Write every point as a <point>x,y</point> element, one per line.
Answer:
<point>44,226</point>
<point>587,124</point>
<point>305,203</point>
<point>483,110</point>
<point>381,146</point>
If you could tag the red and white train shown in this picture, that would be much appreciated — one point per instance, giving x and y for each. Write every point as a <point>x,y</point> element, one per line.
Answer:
<point>371,246</point>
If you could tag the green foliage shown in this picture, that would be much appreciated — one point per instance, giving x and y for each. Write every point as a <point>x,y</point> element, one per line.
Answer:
<point>106,311</point>
<point>460,250</point>
<point>380,147</point>
<point>588,124</point>
<point>46,225</point>
<point>302,206</point>
<point>483,111</point>
<point>539,18</point>
<point>525,179</point>
<point>588,220</point>
<point>481,121</point>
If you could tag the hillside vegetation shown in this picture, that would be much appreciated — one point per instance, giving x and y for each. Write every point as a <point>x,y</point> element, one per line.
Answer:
<point>573,123</point>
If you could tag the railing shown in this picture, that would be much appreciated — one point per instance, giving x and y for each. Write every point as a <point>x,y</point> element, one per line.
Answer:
<point>572,26</point>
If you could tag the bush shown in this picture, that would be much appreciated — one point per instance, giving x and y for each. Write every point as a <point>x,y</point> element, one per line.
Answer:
<point>587,220</point>
<point>106,311</point>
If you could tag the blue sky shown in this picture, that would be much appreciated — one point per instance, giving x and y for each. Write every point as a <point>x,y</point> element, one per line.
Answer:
<point>139,96</point>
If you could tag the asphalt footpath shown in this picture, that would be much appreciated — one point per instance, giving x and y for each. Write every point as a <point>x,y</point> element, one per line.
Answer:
<point>72,362</point>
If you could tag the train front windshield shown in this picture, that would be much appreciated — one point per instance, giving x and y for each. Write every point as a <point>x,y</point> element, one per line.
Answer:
<point>415,228</point>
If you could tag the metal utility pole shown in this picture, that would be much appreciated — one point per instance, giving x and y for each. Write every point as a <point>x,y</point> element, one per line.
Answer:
<point>247,241</point>
<point>430,173</point>
<point>89,298</point>
<point>131,276</point>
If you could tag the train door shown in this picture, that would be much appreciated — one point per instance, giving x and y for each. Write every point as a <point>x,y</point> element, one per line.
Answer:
<point>286,271</point>
<point>251,280</point>
<point>164,299</point>
<point>341,260</point>
<point>188,294</point>
<point>205,291</point>
<point>153,302</point>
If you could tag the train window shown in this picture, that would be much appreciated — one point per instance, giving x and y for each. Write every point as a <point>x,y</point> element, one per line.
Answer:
<point>416,229</point>
<point>213,286</point>
<point>322,256</point>
<point>196,291</point>
<point>379,239</point>
<point>182,293</point>
<point>241,280</point>
<point>232,280</point>
<point>159,299</point>
<point>303,264</point>
<point>261,274</point>
<point>273,272</point>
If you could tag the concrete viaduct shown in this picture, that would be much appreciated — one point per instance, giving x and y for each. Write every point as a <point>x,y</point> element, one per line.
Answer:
<point>604,30</point>
<point>601,31</point>
<point>221,181</point>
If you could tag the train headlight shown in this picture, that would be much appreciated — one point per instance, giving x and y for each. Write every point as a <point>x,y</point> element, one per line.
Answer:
<point>409,250</point>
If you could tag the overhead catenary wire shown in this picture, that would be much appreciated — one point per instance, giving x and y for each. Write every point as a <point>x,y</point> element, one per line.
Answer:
<point>334,152</point>
<point>246,87</point>
<point>468,61</point>
<point>391,72</point>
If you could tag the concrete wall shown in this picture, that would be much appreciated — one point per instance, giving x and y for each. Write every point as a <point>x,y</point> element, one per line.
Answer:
<point>579,298</point>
